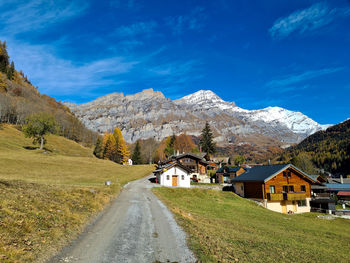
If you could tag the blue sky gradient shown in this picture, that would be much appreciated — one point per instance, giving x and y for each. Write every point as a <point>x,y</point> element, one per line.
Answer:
<point>292,54</point>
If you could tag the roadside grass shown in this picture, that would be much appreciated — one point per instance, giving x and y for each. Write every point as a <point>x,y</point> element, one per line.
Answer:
<point>223,227</point>
<point>48,196</point>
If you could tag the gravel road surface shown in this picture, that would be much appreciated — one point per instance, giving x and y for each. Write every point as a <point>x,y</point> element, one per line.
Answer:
<point>137,227</point>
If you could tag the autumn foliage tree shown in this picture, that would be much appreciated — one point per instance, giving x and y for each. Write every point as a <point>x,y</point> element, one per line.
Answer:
<point>112,147</point>
<point>38,125</point>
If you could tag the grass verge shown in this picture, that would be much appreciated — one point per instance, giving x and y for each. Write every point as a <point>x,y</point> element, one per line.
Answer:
<point>223,227</point>
<point>48,196</point>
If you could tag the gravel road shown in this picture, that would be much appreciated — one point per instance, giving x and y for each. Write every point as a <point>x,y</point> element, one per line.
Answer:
<point>137,227</point>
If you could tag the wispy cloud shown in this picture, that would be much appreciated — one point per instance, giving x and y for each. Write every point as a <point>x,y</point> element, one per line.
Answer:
<point>309,19</point>
<point>23,16</point>
<point>293,79</point>
<point>57,76</point>
<point>193,21</point>
<point>140,28</point>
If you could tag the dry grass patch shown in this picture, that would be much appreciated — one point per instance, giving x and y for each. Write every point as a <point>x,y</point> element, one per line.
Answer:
<point>48,196</point>
<point>223,227</point>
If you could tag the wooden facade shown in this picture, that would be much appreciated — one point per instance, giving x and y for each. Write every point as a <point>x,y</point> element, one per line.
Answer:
<point>194,164</point>
<point>287,185</point>
<point>293,184</point>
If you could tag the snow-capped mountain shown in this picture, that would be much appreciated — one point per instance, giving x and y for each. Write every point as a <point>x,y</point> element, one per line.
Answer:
<point>149,114</point>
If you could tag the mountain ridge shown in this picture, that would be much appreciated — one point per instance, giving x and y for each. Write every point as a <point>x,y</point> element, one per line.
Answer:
<point>149,113</point>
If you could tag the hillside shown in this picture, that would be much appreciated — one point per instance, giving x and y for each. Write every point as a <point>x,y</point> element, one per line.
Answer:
<point>19,98</point>
<point>47,196</point>
<point>329,149</point>
<point>223,227</point>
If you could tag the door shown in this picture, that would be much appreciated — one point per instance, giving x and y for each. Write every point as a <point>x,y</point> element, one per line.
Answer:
<point>174,180</point>
<point>284,207</point>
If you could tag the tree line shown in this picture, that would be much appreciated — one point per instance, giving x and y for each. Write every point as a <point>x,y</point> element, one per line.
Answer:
<point>19,99</point>
<point>112,146</point>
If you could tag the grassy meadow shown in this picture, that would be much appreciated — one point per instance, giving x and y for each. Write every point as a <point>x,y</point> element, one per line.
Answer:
<point>223,227</point>
<point>47,196</point>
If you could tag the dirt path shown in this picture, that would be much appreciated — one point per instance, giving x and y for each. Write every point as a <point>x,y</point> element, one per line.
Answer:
<point>136,228</point>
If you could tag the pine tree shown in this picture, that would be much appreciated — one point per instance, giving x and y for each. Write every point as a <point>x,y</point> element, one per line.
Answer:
<point>206,141</point>
<point>136,156</point>
<point>98,148</point>
<point>4,57</point>
<point>170,146</point>
<point>11,71</point>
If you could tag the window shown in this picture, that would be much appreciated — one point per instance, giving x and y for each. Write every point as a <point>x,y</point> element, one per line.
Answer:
<point>301,202</point>
<point>285,189</point>
<point>289,174</point>
<point>291,188</point>
<point>168,177</point>
<point>284,174</point>
<point>242,187</point>
<point>272,189</point>
<point>182,177</point>
<point>302,188</point>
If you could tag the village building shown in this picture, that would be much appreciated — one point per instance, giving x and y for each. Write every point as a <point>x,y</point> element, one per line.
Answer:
<point>173,175</point>
<point>196,164</point>
<point>221,161</point>
<point>282,188</point>
<point>224,175</point>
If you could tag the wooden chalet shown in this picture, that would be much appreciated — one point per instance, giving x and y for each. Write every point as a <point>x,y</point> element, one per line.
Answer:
<point>227,173</point>
<point>282,188</point>
<point>196,164</point>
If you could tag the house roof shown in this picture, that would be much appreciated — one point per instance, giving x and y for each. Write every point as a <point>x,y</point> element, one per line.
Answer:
<point>337,180</point>
<point>170,165</point>
<point>189,155</point>
<point>338,187</point>
<point>344,193</point>
<point>229,169</point>
<point>264,173</point>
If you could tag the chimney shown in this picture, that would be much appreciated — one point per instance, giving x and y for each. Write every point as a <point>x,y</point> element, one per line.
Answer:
<point>177,153</point>
<point>341,179</point>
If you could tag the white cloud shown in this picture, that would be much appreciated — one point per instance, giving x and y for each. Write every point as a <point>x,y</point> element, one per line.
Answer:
<point>193,21</point>
<point>23,16</point>
<point>57,76</point>
<point>140,28</point>
<point>309,19</point>
<point>292,79</point>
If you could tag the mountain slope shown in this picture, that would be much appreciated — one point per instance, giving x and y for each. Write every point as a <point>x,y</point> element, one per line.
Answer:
<point>149,114</point>
<point>329,149</point>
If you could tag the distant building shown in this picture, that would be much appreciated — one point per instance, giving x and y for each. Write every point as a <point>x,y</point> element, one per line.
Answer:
<point>282,188</point>
<point>227,173</point>
<point>196,164</point>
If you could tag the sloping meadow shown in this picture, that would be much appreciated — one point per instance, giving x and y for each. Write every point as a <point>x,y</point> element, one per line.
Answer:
<point>223,227</point>
<point>48,196</point>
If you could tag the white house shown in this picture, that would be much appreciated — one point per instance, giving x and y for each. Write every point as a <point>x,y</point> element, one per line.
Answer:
<point>173,175</point>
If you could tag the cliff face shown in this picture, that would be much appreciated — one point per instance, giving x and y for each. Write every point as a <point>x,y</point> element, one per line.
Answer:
<point>149,114</point>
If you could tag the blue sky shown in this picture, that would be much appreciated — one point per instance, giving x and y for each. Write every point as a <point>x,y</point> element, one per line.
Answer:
<point>292,54</point>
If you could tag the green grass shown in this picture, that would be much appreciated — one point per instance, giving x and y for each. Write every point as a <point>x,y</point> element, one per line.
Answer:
<point>48,196</point>
<point>195,183</point>
<point>340,207</point>
<point>223,227</point>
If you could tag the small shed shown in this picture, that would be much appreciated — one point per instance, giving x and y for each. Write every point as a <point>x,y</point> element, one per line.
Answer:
<point>173,175</point>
